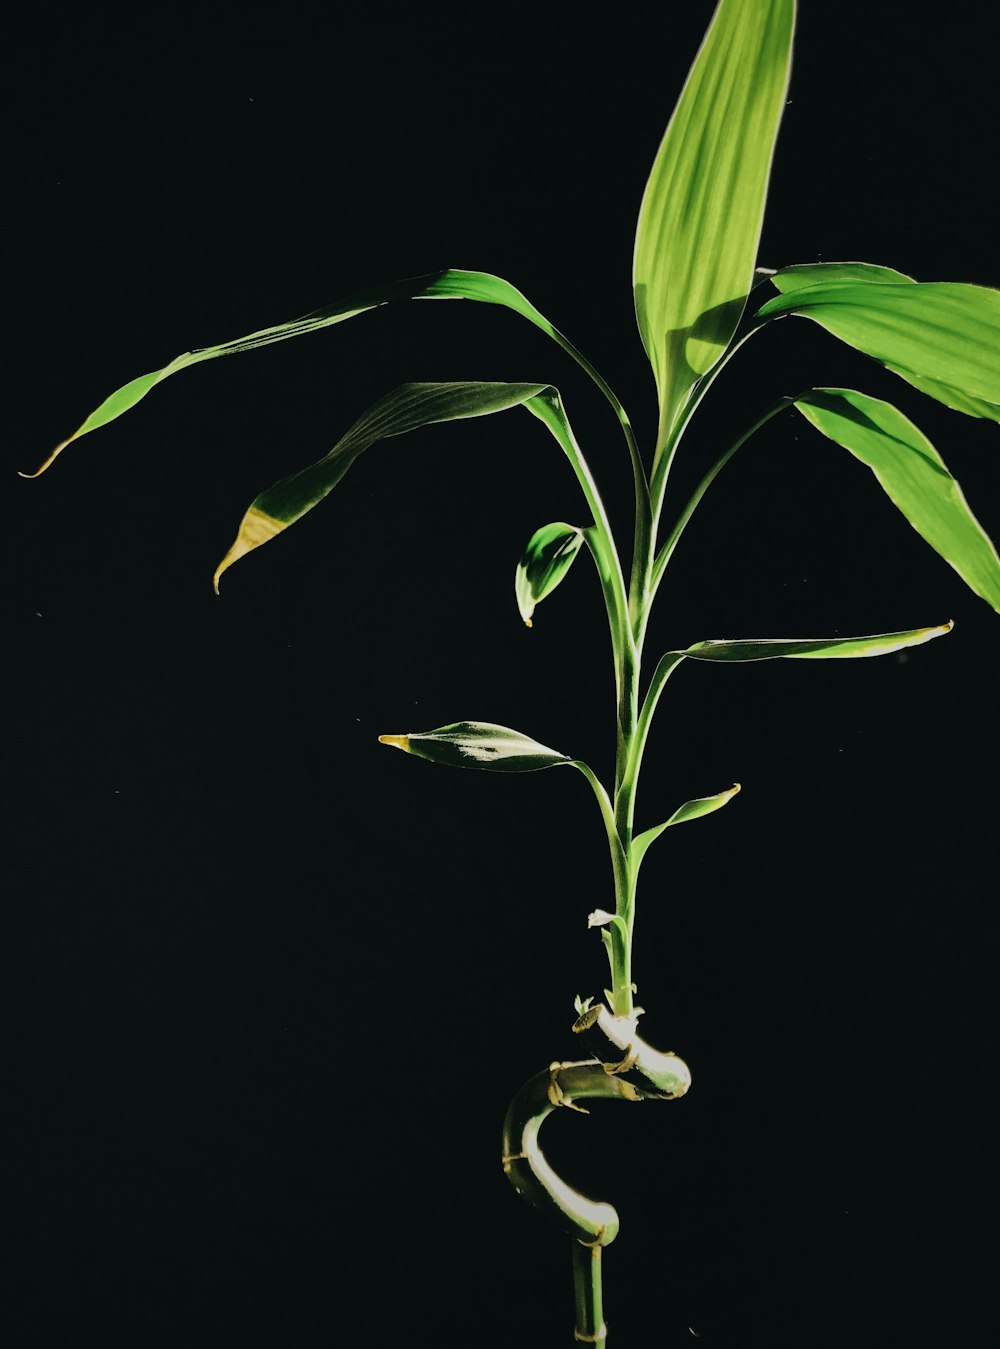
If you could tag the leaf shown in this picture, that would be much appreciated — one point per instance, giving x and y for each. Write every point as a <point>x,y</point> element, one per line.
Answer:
<point>691,810</point>
<point>818,648</point>
<point>547,558</point>
<point>404,409</point>
<point>913,475</point>
<point>803,274</point>
<point>952,398</point>
<point>703,207</point>
<point>451,284</point>
<point>478,744</point>
<point>933,333</point>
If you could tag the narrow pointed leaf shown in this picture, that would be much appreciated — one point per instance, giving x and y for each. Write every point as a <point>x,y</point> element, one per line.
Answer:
<point>934,333</point>
<point>818,648</point>
<point>691,810</point>
<point>451,284</point>
<point>478,744</point>
<point>549,554</point>
<point>404,409</point>
<point>703,207</point>
<point>913,475</point>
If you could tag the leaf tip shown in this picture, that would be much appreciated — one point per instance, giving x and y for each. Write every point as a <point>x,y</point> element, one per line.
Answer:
<point>528,623</point>
<point>48,462</point>
<point>256,528</point>
<point>397,741</point>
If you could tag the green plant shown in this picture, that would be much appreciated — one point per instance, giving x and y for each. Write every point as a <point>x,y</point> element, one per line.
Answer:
<point>695,257</point>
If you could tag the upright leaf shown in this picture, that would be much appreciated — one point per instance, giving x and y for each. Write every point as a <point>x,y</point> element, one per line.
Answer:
<point>690,810</point>
<point>404,409</point>
<point>942,336</point>
<point>913,475</point>
<point>478,744</point>
<point>703,208</point>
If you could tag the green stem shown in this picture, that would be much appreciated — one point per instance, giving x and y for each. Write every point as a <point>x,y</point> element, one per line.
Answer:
<point>548,408</point>
<point>666,552</point>
<point>665,455</point>
<point>590,1326</point>
<point>643,503</point>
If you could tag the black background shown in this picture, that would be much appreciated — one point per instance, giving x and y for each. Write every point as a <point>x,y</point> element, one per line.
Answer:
<point>271,987</point>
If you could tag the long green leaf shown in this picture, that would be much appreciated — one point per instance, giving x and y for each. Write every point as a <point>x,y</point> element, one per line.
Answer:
<point>802,275</point>
<point>942,336</point>
<point>452,284</point>
<point>703,207</point>
<point>478,744</point>
<point>913,475</point>
<point>547,557</point>
<point>818,648</point>
<point>404,409</point>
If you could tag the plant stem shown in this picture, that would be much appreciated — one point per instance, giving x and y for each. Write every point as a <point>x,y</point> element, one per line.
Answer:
<point>667,550</point>
<point>590,1327</point>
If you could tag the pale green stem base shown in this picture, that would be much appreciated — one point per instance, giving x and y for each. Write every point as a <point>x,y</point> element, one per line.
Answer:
<point>590,1326</point>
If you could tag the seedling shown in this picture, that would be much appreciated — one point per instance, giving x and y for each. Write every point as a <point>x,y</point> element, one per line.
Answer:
<point>699,297</point>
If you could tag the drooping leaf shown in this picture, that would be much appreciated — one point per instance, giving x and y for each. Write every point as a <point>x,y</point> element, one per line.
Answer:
<point>478,744</point>
<point>549,554</point>
<point>691,810</point>
<point>944,337</point>
<point>404,409</point>
<point>952,398</point>
<point>451,284</point>
<point>703,207</point>
<point>819,648</point>
<point>913,475</point>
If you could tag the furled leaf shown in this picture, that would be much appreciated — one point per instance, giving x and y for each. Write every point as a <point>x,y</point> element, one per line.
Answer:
<point>819,648</point>
<point>452,284</point>
<point>703,207</point>
<point>547,558</point>
<point>404,409</point>
<point>691,810</point>
<point>944,337</point>
<point>478,744</point>
<point>913,475</point>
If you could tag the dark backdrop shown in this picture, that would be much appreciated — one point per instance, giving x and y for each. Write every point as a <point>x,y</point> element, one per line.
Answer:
<point>270,987</point>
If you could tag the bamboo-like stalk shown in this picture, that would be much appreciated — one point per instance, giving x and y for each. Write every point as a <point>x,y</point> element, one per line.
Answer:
<point>590,1324</point>
<point>643,1074</point>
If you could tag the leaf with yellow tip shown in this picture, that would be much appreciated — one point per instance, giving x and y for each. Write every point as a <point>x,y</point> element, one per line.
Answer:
<point>451,284</point>
<point>691,810</point>
<point>816,648</point>
<point>404,409</point>
<point>478,744</point>
<point>547,557</point>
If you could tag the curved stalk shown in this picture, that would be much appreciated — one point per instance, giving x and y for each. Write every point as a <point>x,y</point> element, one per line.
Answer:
<point>591,1224</point>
